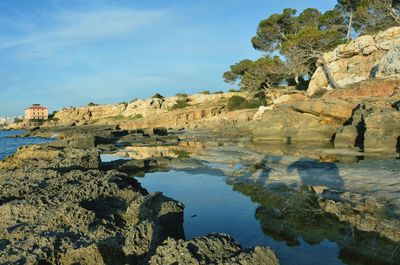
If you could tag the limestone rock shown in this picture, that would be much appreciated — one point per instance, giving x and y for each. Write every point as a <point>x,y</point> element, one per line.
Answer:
<point>212,249</point>
<point>359,60</point>
<point>390,63</point>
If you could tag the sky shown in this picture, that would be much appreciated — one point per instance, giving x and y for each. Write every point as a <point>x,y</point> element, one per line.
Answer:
<point>63,53</point>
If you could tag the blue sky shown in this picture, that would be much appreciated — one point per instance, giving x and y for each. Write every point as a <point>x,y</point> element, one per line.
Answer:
<point>65,53</point>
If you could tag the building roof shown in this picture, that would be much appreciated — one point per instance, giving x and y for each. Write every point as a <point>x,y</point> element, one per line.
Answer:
<point>36,106</point>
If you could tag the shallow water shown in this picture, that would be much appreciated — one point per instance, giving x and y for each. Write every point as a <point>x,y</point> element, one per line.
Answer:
<point>213,206</point>
<point>8,145</point>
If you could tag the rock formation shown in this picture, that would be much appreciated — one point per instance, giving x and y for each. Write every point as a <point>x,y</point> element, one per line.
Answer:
<point>59,205</point>
<point>360,59</point>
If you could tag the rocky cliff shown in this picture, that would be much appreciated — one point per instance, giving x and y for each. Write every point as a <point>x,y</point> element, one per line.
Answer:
<point>363,58</point>
<point>198,110</point>
<point>363,117</point>
<point>362,114</point>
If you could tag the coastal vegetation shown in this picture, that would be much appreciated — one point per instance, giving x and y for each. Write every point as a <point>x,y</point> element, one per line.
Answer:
<point>292,43</point>
<point>238,102</point>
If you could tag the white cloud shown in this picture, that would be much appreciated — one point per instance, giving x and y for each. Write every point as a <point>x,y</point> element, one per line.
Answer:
<point>70,28</point>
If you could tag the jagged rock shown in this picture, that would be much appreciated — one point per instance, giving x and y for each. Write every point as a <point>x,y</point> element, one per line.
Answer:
<point>390,63</point>
<point>91,217</point>
<point>46,156</point>
<point>372,127</point>
<point>382,130</point>
<point>306,121</point>
<point>360,59</point>
<point>212,249</point>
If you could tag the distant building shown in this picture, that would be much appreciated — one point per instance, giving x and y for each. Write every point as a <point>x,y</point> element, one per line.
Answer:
<point>36,112</point>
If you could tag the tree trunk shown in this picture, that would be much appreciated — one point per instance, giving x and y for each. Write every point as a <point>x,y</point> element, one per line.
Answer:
<point>296,79</point>
<point>350,26</point>
<point>328,74</point>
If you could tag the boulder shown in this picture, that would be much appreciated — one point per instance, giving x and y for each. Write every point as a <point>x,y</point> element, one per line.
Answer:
<point>47,157</point>
<point>390,63</point>
<point>212,249</point>
<point>360,59</point>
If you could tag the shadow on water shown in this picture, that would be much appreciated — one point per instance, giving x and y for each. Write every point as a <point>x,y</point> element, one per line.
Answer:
<point>313,173</point>
<point>279,208</point>
<point>291,213</point>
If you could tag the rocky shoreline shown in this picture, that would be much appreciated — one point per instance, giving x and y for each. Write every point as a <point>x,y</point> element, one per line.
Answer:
<point>60,205</point>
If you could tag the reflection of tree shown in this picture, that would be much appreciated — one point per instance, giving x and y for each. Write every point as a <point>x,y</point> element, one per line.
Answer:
<point>288,215</point>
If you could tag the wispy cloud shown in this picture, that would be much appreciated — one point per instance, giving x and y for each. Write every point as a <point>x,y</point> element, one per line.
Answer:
<point>69,28</point>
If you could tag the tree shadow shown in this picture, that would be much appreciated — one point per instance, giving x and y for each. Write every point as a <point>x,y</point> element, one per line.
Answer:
<point>316,173</point>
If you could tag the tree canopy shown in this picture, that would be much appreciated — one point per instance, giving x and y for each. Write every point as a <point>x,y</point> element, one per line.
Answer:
<point>293,42</point>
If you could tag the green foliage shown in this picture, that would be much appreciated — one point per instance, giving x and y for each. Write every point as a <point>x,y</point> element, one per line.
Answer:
<point>182,154</point>
<point>36,120</point>
<point>51,116</point>
<point>237,71</point>
<point>137,116</point>
<point>181,104</point>
<point>182,95</point>
<point>372,16</point>
<point>301,39</point>
<point>133,117</point>
<point>271,32</point>
<point>232,90</point>
<point>257,75</point>
<point>205,92</point>
<point>18,120</point>
<point>157,95</point>
<point>91,104</point>
<point>238,102</point>
<point>218,92</point>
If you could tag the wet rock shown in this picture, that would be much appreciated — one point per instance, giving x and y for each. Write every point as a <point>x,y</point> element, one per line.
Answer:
<point>47,157</point>
<point>92,217</point>
<point>213,249</point>
<point>161,131</point>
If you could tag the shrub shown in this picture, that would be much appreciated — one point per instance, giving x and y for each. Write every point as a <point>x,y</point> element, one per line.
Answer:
<point>182,95</point>
<point>51,116</point>
<point>181,154</point>
<point>238,102</point>
<point>180,104</point>
<point>232,90</point>
<point>218,92</point>
<point>91,104</point>
<point>157,95</point>
<point>205,92</point>
<point>134,117</point>
<point>137,116</point>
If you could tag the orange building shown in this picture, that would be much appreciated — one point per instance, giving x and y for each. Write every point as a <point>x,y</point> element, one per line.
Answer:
<point>36,112</point>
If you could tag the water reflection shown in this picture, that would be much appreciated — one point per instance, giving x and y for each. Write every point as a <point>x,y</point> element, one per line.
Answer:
<point>293,216</point>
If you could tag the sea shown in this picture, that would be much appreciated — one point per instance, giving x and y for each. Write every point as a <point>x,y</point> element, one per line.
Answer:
<point>10,144</point>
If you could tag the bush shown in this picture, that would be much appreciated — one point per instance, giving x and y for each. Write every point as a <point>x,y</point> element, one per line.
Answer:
<point>91,104</point>
<point>122,117</point>
<point>232,90</point>
<point>137,116</point>
<point>238,102</point>
<point>218,92</point>
<point>180,104</point>
<point>182,95</point>
<point>51,116</point>
<point>205,92</point>
<point>157,95</point>
<point>181,154</point>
